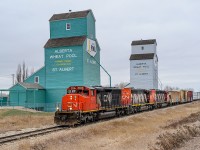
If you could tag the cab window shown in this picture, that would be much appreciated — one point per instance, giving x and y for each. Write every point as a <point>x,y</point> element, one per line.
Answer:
<point>71,91</point>
<point>85,92</point>
<point>68,91</point>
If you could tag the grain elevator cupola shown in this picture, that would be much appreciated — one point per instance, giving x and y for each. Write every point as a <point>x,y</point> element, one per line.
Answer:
<point>144,64</point>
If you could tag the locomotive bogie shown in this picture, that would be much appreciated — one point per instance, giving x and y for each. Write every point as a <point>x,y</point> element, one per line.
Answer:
<point>69,118</point>
<point>75,118</point>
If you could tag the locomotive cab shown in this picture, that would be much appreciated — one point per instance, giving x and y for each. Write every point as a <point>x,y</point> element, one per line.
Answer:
<point>77,106</point>
<point>79,98</point>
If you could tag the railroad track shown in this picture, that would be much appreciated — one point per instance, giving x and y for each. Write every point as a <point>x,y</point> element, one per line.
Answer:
<point>19,136</point>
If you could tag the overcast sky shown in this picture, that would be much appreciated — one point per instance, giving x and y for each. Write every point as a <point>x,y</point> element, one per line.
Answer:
<point>175,24</point>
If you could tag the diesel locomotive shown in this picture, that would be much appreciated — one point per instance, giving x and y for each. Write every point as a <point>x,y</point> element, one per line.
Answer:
<point>84,104</point>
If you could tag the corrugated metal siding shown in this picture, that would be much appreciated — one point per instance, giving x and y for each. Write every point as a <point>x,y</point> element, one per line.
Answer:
<point>13,98</point>
<point>155,76</point>
<point>17,98</point>
<point>40,96</point>
<point>36,96</point>
<point>17,95</point>
<point>58,28</point>
<point>41,74</point>
<point>54,97</point>
<point>91,68</point>
<point>22,98</point>
<point>91,26</point>
<point>144,73</point>
<point>141,74</point>
<point>137,49</point>
<point>63,71</point>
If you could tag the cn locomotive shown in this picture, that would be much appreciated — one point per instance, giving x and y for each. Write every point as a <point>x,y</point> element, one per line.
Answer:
<point>84,104</point>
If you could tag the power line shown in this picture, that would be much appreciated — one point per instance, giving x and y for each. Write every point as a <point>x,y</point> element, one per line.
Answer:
<point>5,75</point>
<point>9,76</point>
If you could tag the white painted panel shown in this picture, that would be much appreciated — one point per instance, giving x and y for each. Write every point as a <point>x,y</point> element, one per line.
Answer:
<point>143,74</point>
<point>137,49</point>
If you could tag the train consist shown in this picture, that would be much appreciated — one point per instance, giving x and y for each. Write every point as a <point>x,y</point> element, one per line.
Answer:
<point>87,104</point>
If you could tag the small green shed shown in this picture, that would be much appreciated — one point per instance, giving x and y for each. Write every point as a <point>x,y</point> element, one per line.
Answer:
<point>3,101</point>
<point>30,95</point>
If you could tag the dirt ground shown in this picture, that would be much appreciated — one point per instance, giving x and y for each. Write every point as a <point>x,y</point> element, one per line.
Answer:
<point>169,128</point>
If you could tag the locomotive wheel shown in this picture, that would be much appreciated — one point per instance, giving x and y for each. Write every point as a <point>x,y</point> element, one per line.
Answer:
<point>139,109</point>
<point>117,113</point>
<point>132,110</point>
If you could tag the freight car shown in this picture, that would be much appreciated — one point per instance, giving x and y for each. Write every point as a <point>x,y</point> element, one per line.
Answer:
<point>86,104</point>
<point>174,97</point>
<point>178,97</point>
<point>186,96</point>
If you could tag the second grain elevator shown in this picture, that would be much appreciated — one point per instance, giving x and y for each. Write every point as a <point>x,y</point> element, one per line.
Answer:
<point>144,64</point>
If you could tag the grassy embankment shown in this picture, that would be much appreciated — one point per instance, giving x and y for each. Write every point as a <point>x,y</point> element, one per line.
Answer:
<point>179,132</point>
<point>12,119</point>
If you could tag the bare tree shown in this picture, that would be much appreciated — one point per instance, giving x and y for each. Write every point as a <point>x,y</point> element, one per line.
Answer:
<point>27,72</point>
<point>170,88</point>
<point>188,89</point>
<point>121,84</point>
<point>19,73</point>
<point>22,72</point>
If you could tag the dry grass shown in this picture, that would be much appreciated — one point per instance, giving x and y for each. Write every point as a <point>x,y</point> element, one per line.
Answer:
<point>11,119</point>
<point>188,127</point>
<point>190,119</point>
<point>176,139</point>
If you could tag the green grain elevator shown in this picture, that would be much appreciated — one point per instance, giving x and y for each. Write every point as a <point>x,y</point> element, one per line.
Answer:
<point>71,56</point>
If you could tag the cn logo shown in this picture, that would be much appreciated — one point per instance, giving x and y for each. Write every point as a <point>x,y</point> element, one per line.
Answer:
<point>125,97</point>
<point>75,104</point>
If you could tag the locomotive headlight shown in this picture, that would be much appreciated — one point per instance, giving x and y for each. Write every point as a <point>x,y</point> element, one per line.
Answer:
<point>57,108</point>
<point>70,108</point>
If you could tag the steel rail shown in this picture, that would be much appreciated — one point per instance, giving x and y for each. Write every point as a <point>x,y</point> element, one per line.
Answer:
<point>28,134</point>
